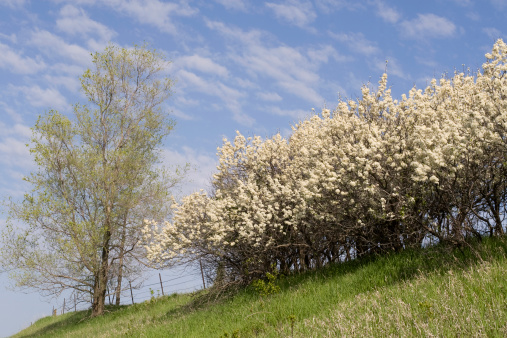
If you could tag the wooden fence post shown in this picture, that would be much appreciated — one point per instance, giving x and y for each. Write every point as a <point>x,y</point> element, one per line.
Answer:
<point>131,294</point>
<point>161,286</point>
<point>202,274</point>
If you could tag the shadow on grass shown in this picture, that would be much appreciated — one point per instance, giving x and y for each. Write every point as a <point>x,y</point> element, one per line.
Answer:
<point>388,269</point>
<point>372,271</point>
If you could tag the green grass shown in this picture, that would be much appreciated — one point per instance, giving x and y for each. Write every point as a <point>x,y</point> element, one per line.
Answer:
<point>428,292</point>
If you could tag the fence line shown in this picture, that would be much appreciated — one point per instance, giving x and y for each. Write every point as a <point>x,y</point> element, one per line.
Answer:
<point>137,295</point>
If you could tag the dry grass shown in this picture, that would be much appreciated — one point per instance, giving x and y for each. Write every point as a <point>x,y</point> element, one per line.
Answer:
<point>469,303</point>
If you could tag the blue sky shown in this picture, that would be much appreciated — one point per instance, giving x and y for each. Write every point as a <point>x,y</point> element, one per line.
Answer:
<point>249,65</point>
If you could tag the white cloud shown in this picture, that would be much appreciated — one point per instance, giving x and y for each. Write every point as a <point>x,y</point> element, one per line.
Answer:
<point>499,4</point>
<point>393,67</point>
<point>79,2</point>
<point>68,69</point>
<point>328,6</point>
<point>357,43</point>
<point>387,13</point>
<point>181,115</point>
<point>201,64</point>
<point>252,36</point>
<point>75,21</point>
<point>12,37</point>
<point>13,3</point>
<point>229,96</point>
<point>15,116</point>
<point>296,114</point>
<point>269,96</point>
<point>12,150</point>
<point>474,16</point>
<point>203,164</point>
<point>17,63</point>
<point>70,83</point>
<point>13,140</point>
<point>464,3</point>
<point>154,12</point>
<point>240,5</point>
<point>38,97</point>
<point>296,12</point>
<point>428,62</point>
<point>290,68</point>
<point>427,26</point>
<point>184,101</point>
<point>323,54</point>
<point>52,45</point>
<point>492,33</point>
<point>245,83</point>
<point>21,130</point>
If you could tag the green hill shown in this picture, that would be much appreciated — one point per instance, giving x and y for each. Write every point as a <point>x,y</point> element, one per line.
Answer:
<point>430,292</point>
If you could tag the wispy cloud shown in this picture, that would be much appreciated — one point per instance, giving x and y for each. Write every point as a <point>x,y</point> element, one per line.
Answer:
<point>499,4</point>
<point>229,96</point>
<point>240,5</point>
<point>154,12</point>
<point>324,54</point>
<point>492,33</point>
<point>388,14</point>
<point>75,21</point>
<point>428,26</point>
<point>269,96</point>
<point>17,63</point>
<point>13,3</point>
<point>13,140</point>
<point>202,64</point>
<point>392,66</point>
<point>69,82</point>
<point>296,114</point>
<point>374,56</point>
<point>7,110</point>
<point>292,70</point>
<point>39,97</point>
<point>329,6</point>
<point>53,45</point>
<point>181,115</point>
<point>357,43</point>
<point>464,3</point>
<point>203,166</point>
<point>11,37</point>
<point>296,12</point>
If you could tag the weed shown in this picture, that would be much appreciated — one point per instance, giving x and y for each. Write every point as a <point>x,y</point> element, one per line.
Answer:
<point>267,287</point>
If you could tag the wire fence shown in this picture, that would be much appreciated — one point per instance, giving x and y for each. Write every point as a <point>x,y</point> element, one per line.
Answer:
<point>165,286</point>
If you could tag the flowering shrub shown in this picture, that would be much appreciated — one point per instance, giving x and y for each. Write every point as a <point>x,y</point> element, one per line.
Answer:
<point>374,175</point>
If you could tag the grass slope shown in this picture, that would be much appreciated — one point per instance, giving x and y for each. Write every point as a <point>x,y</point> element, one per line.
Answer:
<point>432,292</point>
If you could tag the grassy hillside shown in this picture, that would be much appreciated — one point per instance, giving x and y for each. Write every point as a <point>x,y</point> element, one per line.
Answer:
<point>416,293</point>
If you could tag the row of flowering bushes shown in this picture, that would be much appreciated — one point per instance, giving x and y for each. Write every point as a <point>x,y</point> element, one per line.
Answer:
<point>375,175</point>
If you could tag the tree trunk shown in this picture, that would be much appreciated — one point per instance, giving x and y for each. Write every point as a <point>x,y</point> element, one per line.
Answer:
<point>120,268</point>
<point>99,295</point>
<point>120,275</point>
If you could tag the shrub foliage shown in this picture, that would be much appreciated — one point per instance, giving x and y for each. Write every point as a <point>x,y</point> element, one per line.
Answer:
<point>375,175</point>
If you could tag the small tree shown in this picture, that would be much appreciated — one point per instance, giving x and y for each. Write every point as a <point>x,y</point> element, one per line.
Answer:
<point>96,180</point>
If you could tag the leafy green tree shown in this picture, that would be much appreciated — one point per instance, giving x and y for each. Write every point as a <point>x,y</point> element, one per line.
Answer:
<point>98,177</point>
